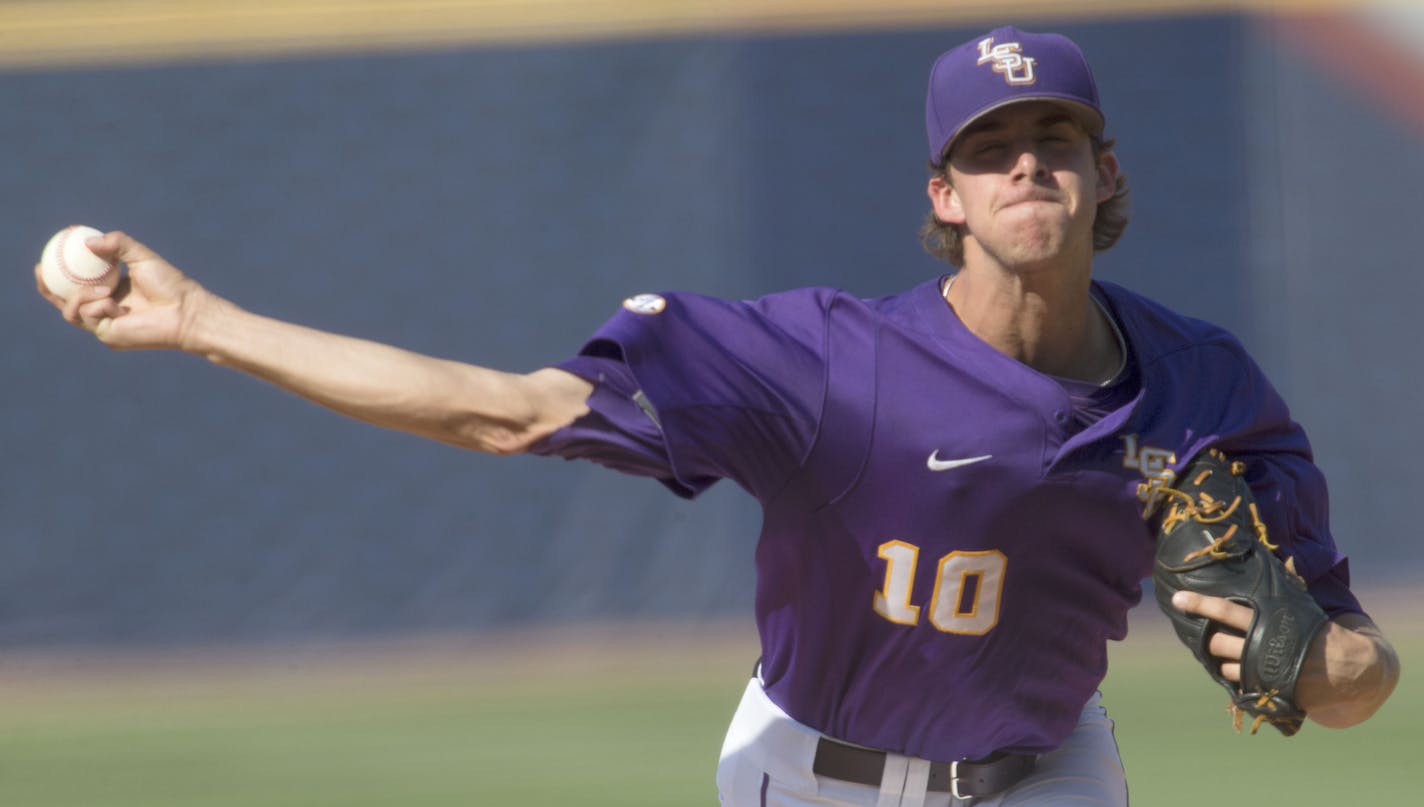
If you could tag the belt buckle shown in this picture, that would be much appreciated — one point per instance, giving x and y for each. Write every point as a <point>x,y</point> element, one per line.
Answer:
<point>954,781</point>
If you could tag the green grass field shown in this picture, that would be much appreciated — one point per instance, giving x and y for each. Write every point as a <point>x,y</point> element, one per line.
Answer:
<point>594,721</point>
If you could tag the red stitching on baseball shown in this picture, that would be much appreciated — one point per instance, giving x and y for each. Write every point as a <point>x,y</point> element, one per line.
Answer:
<point>64,266</point>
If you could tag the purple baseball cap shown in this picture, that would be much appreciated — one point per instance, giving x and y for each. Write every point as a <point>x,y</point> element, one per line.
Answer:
<point>1003,67</point>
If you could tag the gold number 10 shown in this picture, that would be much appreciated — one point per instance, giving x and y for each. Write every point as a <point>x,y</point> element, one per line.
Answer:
<point>966,590</point>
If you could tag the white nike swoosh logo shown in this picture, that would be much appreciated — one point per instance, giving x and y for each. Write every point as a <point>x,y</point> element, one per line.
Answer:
<point>936,464</point>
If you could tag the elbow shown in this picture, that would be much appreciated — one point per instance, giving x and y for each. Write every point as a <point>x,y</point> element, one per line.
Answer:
<point>503,438</point>
<point>509,442</point>
<point>513,413</point>
<point>514,432</point>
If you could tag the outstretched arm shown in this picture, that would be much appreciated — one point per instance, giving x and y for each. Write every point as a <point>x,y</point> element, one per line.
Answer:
<point>1349,671</point>
<point>158,307</point>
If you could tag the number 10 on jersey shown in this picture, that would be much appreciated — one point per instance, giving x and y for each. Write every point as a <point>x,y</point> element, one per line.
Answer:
<point>966,590</point>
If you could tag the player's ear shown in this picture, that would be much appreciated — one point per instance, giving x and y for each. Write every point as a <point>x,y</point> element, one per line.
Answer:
<point>945,200</point>
<point>1107,176</point>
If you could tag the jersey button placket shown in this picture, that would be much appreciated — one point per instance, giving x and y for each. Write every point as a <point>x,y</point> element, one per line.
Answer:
<point>1055,431</point>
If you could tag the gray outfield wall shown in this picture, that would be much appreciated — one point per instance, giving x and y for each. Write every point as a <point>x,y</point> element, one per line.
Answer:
<point>494,205</point>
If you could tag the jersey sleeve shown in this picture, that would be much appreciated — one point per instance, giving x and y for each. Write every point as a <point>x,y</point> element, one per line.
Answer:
<point>1290,490</point>
<point>1234,407</point>
<point>691,389</point>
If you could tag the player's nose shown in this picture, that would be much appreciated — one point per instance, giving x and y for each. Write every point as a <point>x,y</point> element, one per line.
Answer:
<point>1028,163</point>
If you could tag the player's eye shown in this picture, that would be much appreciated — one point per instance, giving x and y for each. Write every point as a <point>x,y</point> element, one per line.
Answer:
<point>1058,135</point>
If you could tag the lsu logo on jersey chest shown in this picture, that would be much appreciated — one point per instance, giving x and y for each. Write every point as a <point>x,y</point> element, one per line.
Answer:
<point>1155,466</point>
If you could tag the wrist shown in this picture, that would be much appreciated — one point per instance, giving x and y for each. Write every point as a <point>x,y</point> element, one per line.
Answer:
<point>1348,675</point>
<point>205,320</point>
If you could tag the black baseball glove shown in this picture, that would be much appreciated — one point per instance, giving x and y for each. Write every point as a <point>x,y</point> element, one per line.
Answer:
<point>1212,541</point>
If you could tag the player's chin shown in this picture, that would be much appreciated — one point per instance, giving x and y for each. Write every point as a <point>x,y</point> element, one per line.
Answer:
<point>1031,246</point>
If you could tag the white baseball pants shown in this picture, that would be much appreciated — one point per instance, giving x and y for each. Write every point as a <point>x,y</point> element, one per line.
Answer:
<point>767,757</point>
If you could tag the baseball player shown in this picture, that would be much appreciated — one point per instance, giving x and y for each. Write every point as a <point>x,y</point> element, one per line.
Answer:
<point>955,479</point>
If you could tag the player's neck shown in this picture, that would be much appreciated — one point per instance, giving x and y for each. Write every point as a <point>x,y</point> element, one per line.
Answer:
<point>1045,319</point>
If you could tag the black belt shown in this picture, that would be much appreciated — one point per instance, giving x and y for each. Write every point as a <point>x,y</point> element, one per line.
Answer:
<point>963,779</point>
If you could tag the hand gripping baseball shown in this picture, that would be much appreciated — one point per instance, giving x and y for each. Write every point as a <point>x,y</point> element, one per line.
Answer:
<point>1212,541</point>
<point>149,308</point>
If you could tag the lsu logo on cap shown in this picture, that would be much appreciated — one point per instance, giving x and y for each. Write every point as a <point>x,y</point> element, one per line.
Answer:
<point>1007,61</point>
<point>645,304</point>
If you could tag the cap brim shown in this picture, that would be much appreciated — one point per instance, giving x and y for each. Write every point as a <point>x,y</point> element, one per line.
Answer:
<point>1090,119</point>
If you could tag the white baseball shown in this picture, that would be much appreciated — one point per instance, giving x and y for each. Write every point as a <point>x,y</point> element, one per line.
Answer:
<point>67,265</point>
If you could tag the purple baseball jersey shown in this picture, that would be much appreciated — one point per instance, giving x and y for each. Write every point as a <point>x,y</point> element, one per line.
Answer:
<point>950,537</point>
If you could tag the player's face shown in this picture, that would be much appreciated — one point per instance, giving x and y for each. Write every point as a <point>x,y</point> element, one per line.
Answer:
<point>1024,184</point>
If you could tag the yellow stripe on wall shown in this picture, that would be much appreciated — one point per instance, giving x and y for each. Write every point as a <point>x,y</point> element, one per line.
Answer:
<point>94,32</point>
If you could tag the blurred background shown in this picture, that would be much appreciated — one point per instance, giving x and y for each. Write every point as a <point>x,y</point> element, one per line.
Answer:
<point>486,181</point>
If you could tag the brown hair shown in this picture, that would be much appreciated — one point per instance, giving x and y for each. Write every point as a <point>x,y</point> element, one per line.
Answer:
<point>944,240</point>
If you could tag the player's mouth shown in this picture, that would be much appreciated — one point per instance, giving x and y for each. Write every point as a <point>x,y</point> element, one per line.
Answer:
<point>1033,198</point>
